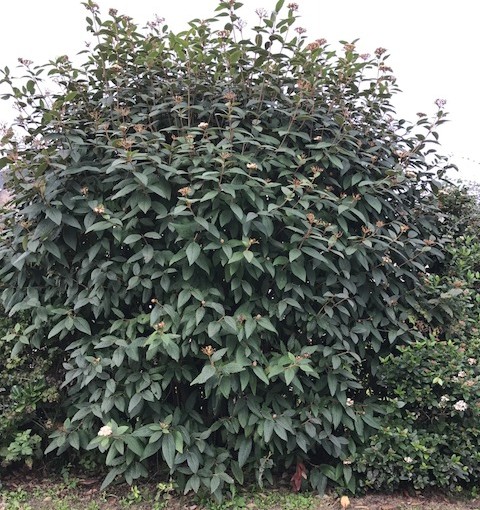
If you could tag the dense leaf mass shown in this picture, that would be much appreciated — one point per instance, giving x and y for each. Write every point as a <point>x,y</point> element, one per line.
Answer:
<point>224,234</point>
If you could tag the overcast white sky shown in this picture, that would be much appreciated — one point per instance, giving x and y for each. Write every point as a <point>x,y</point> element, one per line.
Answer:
<point>434,47</point>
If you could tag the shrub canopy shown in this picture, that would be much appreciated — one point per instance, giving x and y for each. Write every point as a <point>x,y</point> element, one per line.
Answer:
<point>223,233</point>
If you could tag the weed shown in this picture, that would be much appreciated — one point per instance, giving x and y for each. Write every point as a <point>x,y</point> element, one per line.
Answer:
<point>71,482</point>
<point>15,500</point>
<point>263,501</point>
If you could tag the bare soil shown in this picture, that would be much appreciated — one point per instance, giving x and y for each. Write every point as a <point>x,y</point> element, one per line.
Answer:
<point>34,492</point>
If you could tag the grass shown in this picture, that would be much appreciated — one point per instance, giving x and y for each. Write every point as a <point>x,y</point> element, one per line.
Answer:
<point>84,494</point>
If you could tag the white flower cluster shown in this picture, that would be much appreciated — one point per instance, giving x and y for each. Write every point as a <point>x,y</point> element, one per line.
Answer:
<point>444,399</point>
<point>105,431</point>
<point>461,405</point>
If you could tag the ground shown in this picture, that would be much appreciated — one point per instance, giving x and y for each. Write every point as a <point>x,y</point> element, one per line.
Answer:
<point>82,493</point>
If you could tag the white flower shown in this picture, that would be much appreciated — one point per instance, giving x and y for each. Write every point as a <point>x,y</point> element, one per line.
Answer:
<point>462,373</point>
<point>461,405</point>
<point>444,399</point>
<point>203,125</point>
<point>472,361</point>
<point>252,166</point>
<point>105,431</point>
<point>350,402</point>
<point>408,460</point>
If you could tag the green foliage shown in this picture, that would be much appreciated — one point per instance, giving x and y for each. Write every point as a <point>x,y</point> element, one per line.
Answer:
<point>460,212</point>
<point>225,235</point>
<point>16,500</point>
<point>28,394</point>
<point>430,437</point>
<point>459,215</point>
<point>451,304</point>
<point>24,447</point>
<point>265,501</point>
<point>452,307</point>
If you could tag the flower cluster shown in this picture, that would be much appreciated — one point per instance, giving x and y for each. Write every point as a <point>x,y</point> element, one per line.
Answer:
<point>105,431</point>
<point>156,22</point>
<point>25,62</point>
<point>223,34</point>
<point>185,191</point>
<point>261,13</point>
<point>230,96</point>
<point>461,405</point>
<point>379,52</point>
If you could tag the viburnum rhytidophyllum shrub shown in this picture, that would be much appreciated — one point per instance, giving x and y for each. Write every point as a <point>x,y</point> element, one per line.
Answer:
<point>224,233</point>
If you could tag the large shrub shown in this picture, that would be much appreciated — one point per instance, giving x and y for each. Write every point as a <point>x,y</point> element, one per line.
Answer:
<point>225,234</point>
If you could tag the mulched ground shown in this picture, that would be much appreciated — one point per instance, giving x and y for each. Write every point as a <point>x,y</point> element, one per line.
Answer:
<point>43,492</point>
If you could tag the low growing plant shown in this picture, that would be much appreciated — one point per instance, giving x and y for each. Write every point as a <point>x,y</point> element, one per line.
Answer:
<point>28,395</point>
<point>429,437</point>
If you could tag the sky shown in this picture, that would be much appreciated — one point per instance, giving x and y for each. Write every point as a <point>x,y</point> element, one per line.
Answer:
<point>433,47</point>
